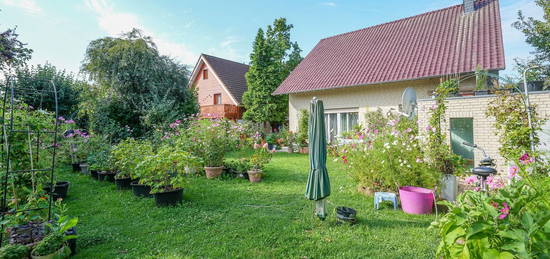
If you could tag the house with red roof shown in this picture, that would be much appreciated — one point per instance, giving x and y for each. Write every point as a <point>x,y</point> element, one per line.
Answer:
<point>360,71</point>
<point>219,85</point>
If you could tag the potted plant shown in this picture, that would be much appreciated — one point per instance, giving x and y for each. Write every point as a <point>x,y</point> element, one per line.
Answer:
<point>257,162</point>
<point>214,148</point>
<point>271,140</point>
<point>165,173</point>
<point>302,135</point>
<point>290,139</point>
<point>52,246</point>
<point>14,251</point>
<point>237,167</point>
<point>481,82</point>
<point>60,190</point>
<point>126,155</point>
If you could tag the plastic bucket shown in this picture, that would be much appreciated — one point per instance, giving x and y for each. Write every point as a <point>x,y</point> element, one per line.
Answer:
<point>416,200</point>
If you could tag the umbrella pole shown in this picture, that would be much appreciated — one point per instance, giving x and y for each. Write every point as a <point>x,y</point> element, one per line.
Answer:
<point>320,208</point>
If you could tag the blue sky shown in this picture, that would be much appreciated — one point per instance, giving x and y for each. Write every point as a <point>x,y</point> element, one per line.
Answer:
<point>60,30</point>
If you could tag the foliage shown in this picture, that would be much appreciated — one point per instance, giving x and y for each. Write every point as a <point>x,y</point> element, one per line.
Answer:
<point>438,152</point>
<point>512,222</point>
<point>49,245</point>
<point>272,138</point>
<point>388,156</point>
<point>273,57</point>
<point>260,157</point>
<point>303,131</point>
<point>13,52</point>
<point>14,251</point>
<point>164,170</point>
<point>99,154</point>
<point>512,125</point>
<point>128,154</point>
<point>241,165</point>
<point>210,140</point>
<point>38,80</point>
<point>137,88</point>
<point>481,78</point>
<point>537,34</point>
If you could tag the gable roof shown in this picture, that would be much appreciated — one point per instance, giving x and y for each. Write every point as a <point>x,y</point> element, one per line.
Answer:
<point>437,43</point>
<point>230,73</point>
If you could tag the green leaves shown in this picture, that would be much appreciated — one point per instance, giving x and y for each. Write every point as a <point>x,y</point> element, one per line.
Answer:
<point>270,64</point>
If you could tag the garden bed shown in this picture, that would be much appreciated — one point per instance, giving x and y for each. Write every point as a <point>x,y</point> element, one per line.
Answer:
<point>235,217</point>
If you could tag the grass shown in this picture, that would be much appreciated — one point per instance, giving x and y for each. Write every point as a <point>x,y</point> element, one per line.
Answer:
<point>224,218</point>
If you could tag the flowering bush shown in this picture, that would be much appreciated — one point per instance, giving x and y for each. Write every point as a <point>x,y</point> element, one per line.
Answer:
<point>260,157</point>
<point>510,221</point>
<point>388,155</point>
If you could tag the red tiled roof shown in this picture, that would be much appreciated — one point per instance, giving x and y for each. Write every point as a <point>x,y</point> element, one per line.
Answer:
<point>441,42</point>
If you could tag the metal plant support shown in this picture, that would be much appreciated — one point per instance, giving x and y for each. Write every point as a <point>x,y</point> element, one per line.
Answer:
<point>8,130</point>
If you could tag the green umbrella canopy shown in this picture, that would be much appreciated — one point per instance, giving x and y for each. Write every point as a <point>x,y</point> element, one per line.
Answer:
<point>318,183</point>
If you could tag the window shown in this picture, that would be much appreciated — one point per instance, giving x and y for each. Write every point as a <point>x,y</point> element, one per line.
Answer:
<point>462,130</point>
<point>217,98</point>
<point>338,123</point>
<point>205,74</point>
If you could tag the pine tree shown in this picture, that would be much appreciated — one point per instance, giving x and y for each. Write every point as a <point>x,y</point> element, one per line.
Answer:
<point>273,57</point>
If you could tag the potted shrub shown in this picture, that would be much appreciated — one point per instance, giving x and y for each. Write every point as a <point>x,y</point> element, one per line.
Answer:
<point>214,148</point>
<point>52,246</point>
<point>257,162</point>
<point>126,155</point>
<point>481,82</point>
<point>14,252</point>
<point>165,173</point>
<point>271,140</point>
<point>302,135</point>
<point>289,141</point>
<point>237,167</point>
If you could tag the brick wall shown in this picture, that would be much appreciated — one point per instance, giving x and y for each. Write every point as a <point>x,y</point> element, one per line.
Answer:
<point>483,126</point>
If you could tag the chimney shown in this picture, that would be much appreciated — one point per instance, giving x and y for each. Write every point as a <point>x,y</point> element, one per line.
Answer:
<point>469,6</point>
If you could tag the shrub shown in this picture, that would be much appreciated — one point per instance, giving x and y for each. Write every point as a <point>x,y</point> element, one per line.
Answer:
<point>14,252</point>
<point>388,156</point>
<point>49,245</point>
<point>128,154</point>
<point>260,157</point>
<point>237,166</point>
<point>165,169</point>
<point>303,124</point>
<point>511,223</point>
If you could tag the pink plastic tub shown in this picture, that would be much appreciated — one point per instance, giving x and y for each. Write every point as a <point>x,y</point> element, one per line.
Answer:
<point>416,200</point>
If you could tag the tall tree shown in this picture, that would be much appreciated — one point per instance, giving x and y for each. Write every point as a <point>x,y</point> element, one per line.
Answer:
<point>37,79</point>
<point>13,52</point>
<point>146,90</point>
<point>537,33</point>
<point>273,57</point>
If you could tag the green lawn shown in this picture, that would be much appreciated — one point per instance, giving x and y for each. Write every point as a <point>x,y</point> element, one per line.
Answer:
<point>234,218</point>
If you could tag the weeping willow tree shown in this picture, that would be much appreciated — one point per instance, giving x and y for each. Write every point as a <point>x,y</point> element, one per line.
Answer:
<point>136,89</point>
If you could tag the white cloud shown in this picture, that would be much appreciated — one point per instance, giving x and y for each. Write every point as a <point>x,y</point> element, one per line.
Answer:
<point>29,6</point>
<point>227,49</point>
<point>331,4</point>
<point>514,40</point>
<point>115,23</point>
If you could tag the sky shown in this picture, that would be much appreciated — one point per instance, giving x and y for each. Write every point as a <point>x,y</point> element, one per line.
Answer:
<point>59,30</point>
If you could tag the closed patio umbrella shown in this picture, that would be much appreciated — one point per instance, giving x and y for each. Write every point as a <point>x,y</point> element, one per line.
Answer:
<point>318,183</point>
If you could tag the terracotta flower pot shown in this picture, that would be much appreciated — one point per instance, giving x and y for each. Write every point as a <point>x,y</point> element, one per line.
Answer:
<point>255,176</point>
<point>213,172</point>
<point>304,150</point>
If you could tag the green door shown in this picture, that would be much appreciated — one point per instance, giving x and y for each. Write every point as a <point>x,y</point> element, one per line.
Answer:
<point>462,130</point>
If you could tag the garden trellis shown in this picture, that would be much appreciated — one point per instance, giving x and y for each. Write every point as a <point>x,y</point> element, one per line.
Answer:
<point>37,139</point>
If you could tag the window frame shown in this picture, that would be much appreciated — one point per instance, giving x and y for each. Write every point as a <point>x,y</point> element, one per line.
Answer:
<point>215,98</point>
<point>339,116</point>
<point>204,74</point>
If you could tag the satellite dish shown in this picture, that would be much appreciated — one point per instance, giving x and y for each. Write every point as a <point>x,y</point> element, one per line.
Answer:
<point>408,103</point>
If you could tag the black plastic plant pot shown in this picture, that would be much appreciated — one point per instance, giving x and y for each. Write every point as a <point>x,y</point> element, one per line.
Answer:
<point>94,174</point>
<point>123,184</point>
<point>60,190</point>
<point>171,198</point>
<point>76,167</point>
<point>346,215</point>
<point>71,242</point>
<point>107,176</point>
<point>141,190</point>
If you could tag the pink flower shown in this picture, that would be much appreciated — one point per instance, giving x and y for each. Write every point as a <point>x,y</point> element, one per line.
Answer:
<point>526,159</point>
<point>345,159</point>
<point>513,172</point>
<point>471,180</point>
<point>69,121</point>
<point>361,136</point>
<point>428,128</point>
<point>494,182</point>
<point>418,160</point>
<point>504,211</point>
<point>408,130</point>
<point>61,118</point>
<point>375,131</point>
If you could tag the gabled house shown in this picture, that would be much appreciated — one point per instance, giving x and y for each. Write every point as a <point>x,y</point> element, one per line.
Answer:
<point>361,71</point>
<point>219,84</point>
